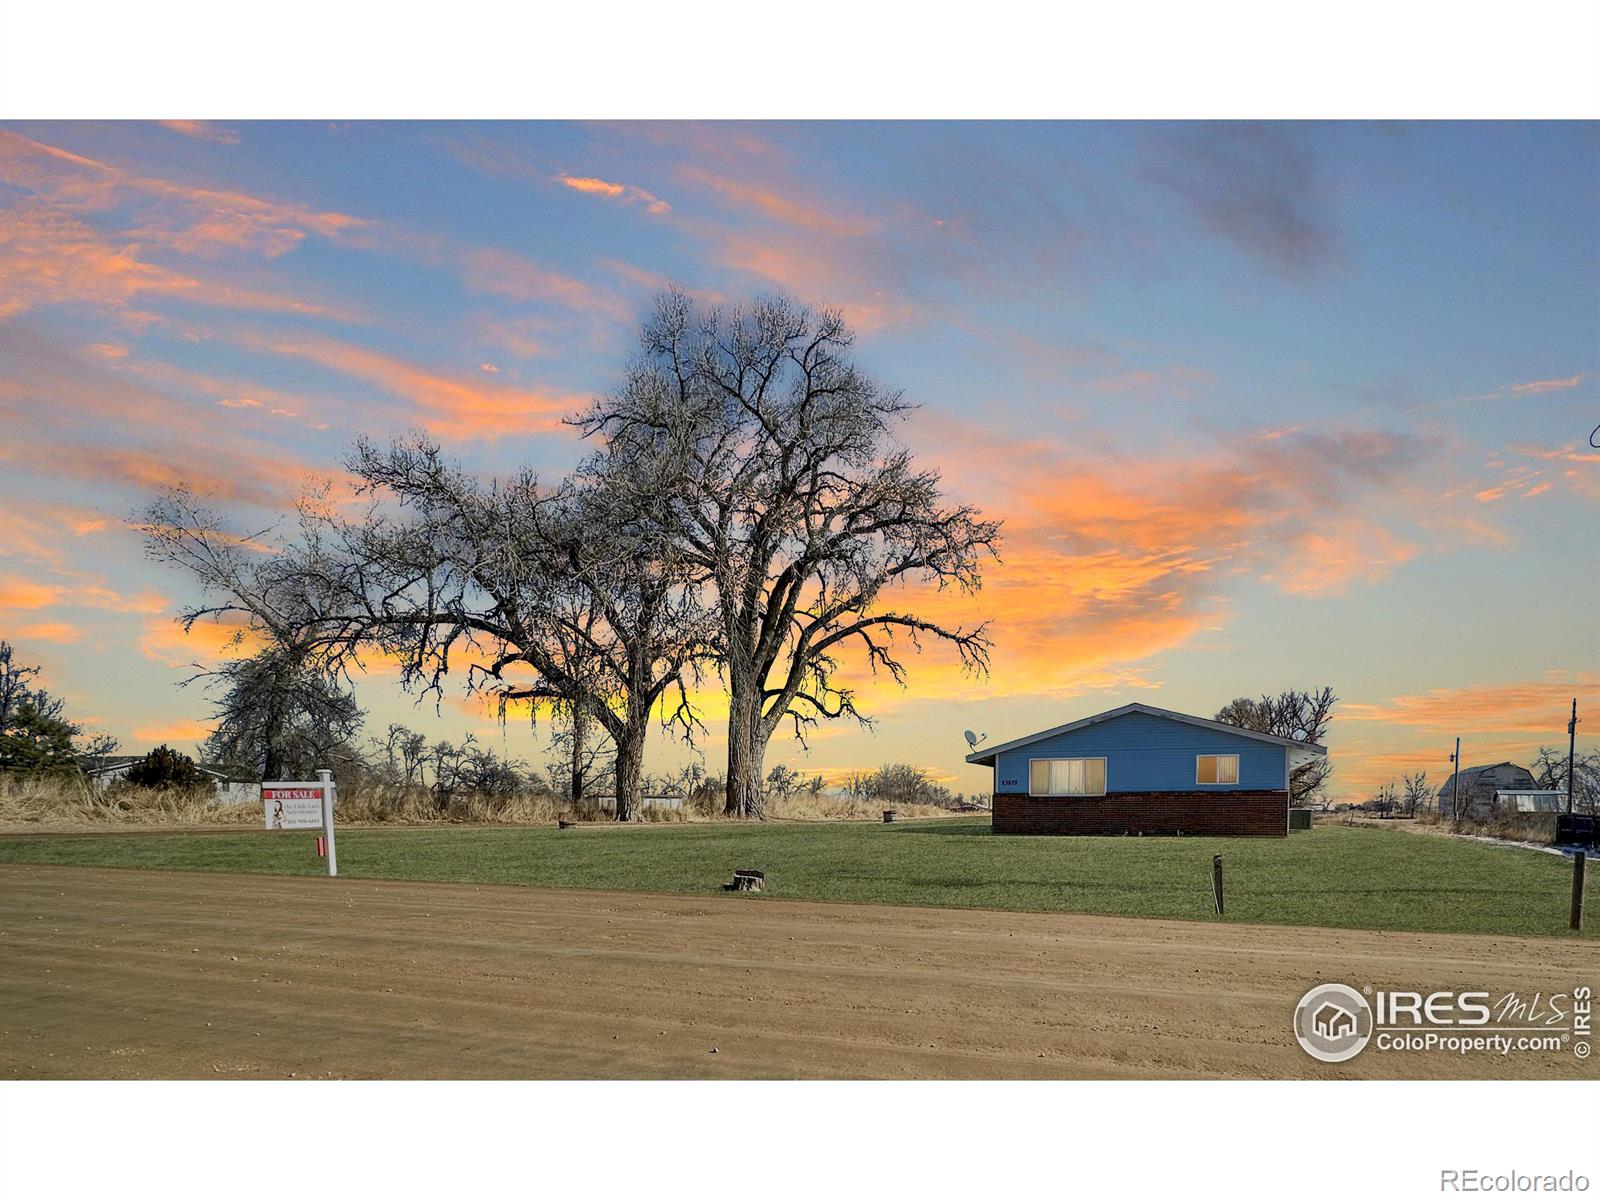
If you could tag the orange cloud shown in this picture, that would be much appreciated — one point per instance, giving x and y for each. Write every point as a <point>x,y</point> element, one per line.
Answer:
<point>227,393</point>
<point>51,257</point>
<point>50,631</point>
<point>780,206</point>
<point>497,161</point>
<point>1535,707</point>
<point>462,407</point>
<point>1547,385</point>
<point>208,643</point>
<point>592,186</point>
<point>511,276</point>
<point>624,192</point>
<point>1359,770</point>
<point>24,594</point>
<point>18,593</point>
<point>1572,468</point>
<point>1109,562</point>
<point>800,265</point>
<point>173,731</point>
<point>1327,561</point>
<point>203,131</point>
<point>33,531</point>
<point>148,471</point>
<point>51,253</point>
<point>195,216</point>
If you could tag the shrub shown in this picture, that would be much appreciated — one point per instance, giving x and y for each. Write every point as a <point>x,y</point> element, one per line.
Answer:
<point>164,768</point>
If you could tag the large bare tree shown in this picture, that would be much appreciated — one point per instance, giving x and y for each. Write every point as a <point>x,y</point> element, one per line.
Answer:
<point>795,502</point>
<point>569,598</point>
<point>1302,716</point>
<point>278,710</point>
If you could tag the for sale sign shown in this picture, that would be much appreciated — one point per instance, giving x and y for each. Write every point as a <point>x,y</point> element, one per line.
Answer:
<point>292,805</point>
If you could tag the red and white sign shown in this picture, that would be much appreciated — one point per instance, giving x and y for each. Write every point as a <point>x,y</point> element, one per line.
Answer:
<point>292,805</point>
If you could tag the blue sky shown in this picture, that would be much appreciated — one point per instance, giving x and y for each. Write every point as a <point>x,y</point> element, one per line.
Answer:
<point>1262,405</point>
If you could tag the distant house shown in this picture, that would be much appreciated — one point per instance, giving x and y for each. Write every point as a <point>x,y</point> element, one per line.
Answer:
<point>231,788</point>
<point>1144,770</point>
<point>1479,786</point>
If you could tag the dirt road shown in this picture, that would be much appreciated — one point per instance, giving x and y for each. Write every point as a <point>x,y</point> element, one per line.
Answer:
<point>130,974</point>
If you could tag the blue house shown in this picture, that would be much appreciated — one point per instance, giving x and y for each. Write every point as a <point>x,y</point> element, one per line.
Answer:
<point>1146,770</point>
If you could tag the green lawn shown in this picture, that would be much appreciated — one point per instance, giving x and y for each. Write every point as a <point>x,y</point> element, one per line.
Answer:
<point>1334,876</point>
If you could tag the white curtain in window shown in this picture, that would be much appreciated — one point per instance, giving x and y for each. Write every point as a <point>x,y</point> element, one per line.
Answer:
<point>1067,777</point>
<point>1094,776</point>
<point>1039,777</point>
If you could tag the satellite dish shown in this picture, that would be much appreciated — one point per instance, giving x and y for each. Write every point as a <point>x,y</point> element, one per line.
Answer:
<point>973,739</point>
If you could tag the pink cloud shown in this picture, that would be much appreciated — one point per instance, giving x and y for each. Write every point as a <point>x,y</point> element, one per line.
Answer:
<point>203,131</point>
<point>1530,706</point>
<point>1546,385</point>
<point>624,193</point>
<point>452,406</point>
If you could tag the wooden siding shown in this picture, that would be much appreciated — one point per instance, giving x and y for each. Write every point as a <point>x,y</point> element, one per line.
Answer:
<point>1146,753</point>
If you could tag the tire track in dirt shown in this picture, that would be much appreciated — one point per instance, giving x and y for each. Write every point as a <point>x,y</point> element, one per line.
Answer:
<point>118,973</point>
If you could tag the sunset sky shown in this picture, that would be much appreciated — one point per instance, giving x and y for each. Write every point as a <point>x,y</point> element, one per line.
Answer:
<point>1261,406</point>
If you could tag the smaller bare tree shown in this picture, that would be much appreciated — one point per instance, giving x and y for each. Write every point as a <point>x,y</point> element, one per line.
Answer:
<point>1417,793</point>
<point>1299,716</point>
<point>1550,774</point>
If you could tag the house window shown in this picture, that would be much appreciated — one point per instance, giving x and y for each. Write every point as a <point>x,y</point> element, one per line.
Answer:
<point>1216,768</point>
<point>1067,777</point>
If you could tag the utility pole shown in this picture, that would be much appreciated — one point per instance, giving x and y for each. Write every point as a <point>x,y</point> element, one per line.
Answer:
<point>1572,750</point>
<point>1455,786</point>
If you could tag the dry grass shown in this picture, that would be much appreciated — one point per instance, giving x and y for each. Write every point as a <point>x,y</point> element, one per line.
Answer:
<point>843,808</point>
<point>49,803</point>
<point>67,802</point>
<point>1539,828</point>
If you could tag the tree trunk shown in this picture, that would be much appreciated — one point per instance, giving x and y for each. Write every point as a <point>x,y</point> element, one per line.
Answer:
<point>272,768</point>
<point>746,750</point>
<point>580,723</point>
<point>630,769</point>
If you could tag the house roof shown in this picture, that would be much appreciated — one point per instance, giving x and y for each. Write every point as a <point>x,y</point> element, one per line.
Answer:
<point>112,761</point>
<point>985,758</point>
<point>1469,775</point>
<point>120,762</point>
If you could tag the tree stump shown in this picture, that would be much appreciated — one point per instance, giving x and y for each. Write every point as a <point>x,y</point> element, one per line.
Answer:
<point>888,816</point>
<point>745,881</point>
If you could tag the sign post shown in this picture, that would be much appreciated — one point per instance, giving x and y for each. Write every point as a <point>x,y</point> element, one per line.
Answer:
<point>327,818</point>
<point>302,806</point>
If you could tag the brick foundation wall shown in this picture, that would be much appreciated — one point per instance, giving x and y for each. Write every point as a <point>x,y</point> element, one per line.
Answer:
<point>1232,814</point>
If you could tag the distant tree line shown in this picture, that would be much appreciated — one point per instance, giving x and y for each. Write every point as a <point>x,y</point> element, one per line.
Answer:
<point>744,518</point>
